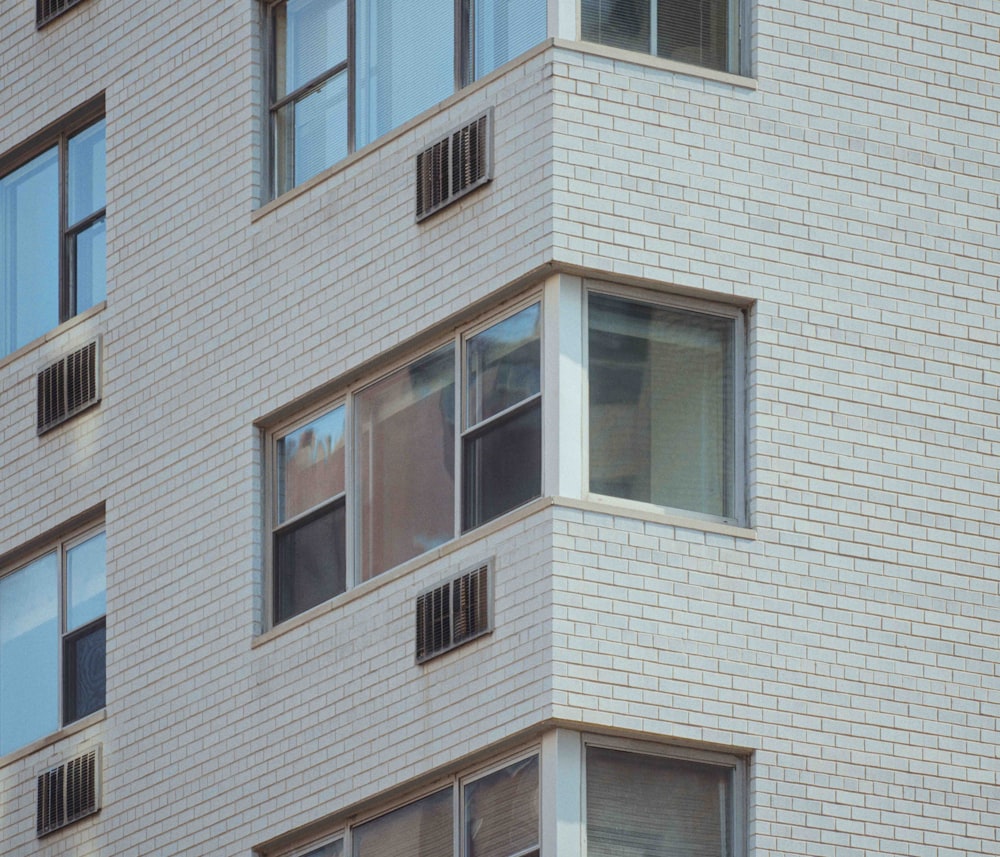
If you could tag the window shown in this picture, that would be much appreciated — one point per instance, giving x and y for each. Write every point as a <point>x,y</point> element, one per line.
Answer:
<point>345,72</point>
<point>667,801</point>
<point>371,482</point>
<point>663,402</point>
<point>497,815</point>
<point>52,235</point>
<point>47,10</point>
<point>52,639</point>
<point>700,32</point>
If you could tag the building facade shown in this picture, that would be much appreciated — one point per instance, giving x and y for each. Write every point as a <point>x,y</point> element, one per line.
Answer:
<point>495,429</point>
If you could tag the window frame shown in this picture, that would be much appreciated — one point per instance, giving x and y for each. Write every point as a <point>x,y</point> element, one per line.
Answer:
<point>342,828</point>
<point>57,136</point>
<point>347,397</point>
<point>60,545</point>
<point>737,47</point>
<point>463,74</point>
<point>737,480</point>
<point>738,765</point>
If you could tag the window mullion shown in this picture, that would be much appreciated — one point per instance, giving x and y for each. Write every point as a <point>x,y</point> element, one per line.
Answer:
<point>461,389</point>
<point>351,73</point>
<point>67,300</point>
<point>352,500</point>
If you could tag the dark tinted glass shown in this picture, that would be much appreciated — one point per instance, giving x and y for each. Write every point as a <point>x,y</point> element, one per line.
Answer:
<point>85,673</point>
<point>310,562</point>
<point>502,466</point>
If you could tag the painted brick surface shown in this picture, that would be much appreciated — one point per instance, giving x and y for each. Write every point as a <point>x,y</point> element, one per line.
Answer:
<point>852,645</point>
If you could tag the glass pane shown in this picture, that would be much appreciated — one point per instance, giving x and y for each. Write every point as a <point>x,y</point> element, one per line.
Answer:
<point>405,61</point>
<point>694,31</point>
<point>617,23</point>
<point>639,804</point>
<point>84,662</point>
<point>661,405</point>
<point>29,653</point>
<point>419,829</point>
<point>90,261</point>
<point>331,849</point>
<point>85,576</point>
<point>506,28</point>
<point>313,39</point>
<point>311,464</point>
<point>502,466</point>
<point>86,173</point>
<point>501,811</point>
<point>503,365</point>
<point>310,562</point>
<point>405,461</point>
<point>29,251</point>
<point>321,128</point>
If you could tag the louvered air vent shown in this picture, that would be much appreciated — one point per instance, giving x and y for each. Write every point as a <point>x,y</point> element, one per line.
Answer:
<point>46,10</point>
<point>455,165</point>
<point>69,386</point>
<point>454,613</point>
<point>69,792</point>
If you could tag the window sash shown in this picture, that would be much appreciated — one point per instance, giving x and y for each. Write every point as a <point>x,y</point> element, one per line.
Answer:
<point>364,521</point>
<point>43,617</point>
<point>381,90</point>
<point>65,144</point>
<point>697,32</point>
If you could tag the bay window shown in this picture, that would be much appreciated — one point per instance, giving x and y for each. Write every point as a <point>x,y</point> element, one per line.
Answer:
<point>52,232</point>
<point>648,388</point>
<point>345,72</point>
<point>700,32</point>
<point>52,633</point>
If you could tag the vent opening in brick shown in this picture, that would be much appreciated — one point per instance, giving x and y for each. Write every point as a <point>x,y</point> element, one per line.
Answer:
<point>68,792</point>
<point>454,166</point>
<point>69,386</point>
<point>453,613</point>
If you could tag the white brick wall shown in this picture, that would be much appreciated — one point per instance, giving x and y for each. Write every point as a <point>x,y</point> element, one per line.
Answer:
<point>852,645</point>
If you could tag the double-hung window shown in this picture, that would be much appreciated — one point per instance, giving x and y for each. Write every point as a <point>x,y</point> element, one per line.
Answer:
<point>700,32</point>
<point>52,632</point>
<point>489,813</point>
<point>345,72</point>
<point>370,482</point>
<point>52,235</point>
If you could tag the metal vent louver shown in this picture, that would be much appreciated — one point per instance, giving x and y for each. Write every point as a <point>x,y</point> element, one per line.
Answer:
<point>453,613</point>
<point>46,10</point>
<point>69,792</point>
<point>455,165</point>
<point>69,386</point>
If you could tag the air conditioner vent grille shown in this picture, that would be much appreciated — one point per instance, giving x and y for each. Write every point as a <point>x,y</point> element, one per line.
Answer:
<point>455,165</point>
<point>68,792</point>
<point>454,613</point>
<point>69,386</point>
<point>46,10</point>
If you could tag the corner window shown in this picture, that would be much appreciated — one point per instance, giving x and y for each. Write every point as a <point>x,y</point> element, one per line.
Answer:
<point>370,482</point>
<point>663,404</point>
<point>345,72</point>
<point>671,802</point>
<point>496,815</point>
<point>52,632</point>
<point>52,233</point>
<point>700,32</point>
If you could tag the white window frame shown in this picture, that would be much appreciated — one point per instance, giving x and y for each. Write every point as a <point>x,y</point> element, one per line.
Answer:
<point>737,47</point>
<point>738,764</point>
<point>703,307</point>
<point>347,397</point>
